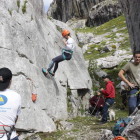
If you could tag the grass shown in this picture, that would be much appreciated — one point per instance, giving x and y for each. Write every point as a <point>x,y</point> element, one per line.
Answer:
<point>107,29</point>
<point>18,3</point>
<point>118,23</point>
<point>24,7</point>
<point>10,12</point>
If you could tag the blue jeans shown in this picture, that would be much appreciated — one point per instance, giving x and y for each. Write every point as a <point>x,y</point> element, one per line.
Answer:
<point>108,103</point>
<point>133,101</point>
<point>16,138</point>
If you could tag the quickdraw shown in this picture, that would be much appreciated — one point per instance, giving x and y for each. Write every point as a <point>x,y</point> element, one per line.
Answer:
<point>34,96</point>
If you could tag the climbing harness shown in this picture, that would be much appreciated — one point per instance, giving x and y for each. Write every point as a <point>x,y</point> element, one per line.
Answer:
<point>64,50</point>
<point>34,96</point>
<point>5,129</point>
<point>133,95</point>
<point>67,51</point>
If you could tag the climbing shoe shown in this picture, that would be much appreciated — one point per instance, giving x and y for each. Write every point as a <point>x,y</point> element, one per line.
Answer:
<point>51,73</point>
<point>44,72</point>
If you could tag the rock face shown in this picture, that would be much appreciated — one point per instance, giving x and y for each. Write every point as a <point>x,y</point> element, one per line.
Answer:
<point>131,11</point>
<point>64,10</point>
<point>103,12</point>
<point>96,12</point>
<point>27,44</point>
<point>133,128</point>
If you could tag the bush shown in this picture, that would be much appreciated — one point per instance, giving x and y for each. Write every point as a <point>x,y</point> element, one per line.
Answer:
<point>24,7</point>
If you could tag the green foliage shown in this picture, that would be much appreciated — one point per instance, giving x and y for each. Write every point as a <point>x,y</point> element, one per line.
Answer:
<point>80,45</point>
<point>113,46</point>
<point>24,7</point>
<point>106,27</point>
<point>50,18</point>
<point>10,12</point>
<point>59,29</point>
<point>32,18</point>
<point>18,3</point>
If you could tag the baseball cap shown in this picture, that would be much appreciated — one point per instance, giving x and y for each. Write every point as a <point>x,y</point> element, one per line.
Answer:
<point>5,77</point>
<point>106,76</point>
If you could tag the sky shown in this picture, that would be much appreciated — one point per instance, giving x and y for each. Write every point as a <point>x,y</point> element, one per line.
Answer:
<point>47,4</point>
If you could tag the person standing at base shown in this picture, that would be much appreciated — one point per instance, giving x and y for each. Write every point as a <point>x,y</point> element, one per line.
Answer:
<point>132,69</point>
<point>10,106</point>
<point>67,52</point>
<point>109,94</point>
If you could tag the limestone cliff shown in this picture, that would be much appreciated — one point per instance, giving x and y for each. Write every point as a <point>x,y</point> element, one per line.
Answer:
<point>64,10</point>
<point>131,10</point>
<point>96,12</point>
<point>103,12</point>
<point>27,44</point>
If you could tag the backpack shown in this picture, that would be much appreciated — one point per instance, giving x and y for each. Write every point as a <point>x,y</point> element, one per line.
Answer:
<point>119,138</point>
<point>120,125</point>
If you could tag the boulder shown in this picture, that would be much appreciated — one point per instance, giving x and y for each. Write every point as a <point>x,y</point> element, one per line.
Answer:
<point>85,38</point>
<point>76,24</point>
<point>103,12</point>
<point>111,61</point>
<point>133,128</point>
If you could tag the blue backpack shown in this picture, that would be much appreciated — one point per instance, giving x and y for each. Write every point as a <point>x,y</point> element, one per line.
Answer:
<point>120,125</point>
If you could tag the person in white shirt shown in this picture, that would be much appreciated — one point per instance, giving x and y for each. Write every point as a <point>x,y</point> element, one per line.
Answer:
<point>67,52</point>
<point>124,93</point>
<point>10,106</point>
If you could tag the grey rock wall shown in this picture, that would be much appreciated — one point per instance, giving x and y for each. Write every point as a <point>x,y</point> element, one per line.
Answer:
<point>131,10</point>
<point>64,10</point>
<point>27,44</point>
<point>132,130</point>
<point>96,12</point>
<point>103,12</point>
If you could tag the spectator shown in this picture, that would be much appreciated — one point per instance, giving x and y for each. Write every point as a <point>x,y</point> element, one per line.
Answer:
<point>109,94</point>
<point>132,69</point>
<point>96,103</point>
<point>10,106</point>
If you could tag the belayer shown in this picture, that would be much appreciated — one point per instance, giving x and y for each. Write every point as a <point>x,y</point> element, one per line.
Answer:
<point>67,52</point>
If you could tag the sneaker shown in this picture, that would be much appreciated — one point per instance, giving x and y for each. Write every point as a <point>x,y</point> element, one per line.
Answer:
<point>44,72</point>
<point>102,123</point>
<point>51,73</point>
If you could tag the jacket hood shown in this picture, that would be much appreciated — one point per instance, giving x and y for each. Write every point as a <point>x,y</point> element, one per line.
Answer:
<point>110,82</point>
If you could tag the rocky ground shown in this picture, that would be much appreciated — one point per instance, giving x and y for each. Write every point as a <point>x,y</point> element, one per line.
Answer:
<point>79,128</point>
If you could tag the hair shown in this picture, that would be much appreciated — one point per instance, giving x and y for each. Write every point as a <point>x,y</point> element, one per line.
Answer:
<point>136,52</point>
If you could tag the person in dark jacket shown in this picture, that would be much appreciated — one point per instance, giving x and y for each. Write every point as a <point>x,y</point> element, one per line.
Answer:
<point>109,94</point>
<point>97,103</point>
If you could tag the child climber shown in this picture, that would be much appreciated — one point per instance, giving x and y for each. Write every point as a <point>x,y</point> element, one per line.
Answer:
<point>67,52</point>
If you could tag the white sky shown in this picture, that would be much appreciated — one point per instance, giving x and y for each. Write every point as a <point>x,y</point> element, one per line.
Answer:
<point>47,4</point>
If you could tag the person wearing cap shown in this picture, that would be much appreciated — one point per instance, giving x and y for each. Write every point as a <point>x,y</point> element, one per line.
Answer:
<point>10,106</point>
<point>109,94</point>
<point>132,69</point>
<point>97,103</point>
<point>67,52</point>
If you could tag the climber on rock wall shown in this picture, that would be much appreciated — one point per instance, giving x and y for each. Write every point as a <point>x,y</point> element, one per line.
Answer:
<point>67,52</point>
